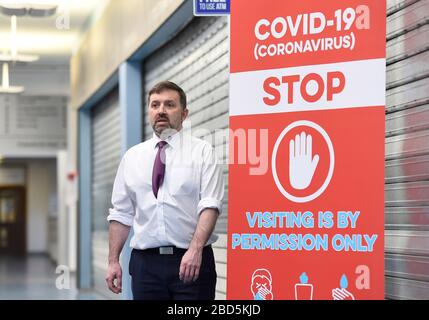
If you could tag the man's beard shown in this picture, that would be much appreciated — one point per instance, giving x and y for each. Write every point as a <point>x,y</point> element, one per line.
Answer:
<point>166,132</point>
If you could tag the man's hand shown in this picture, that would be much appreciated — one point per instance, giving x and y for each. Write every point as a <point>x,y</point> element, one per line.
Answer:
<point>190,265</point>
<point>118,234</point>
<point>114,272</point>
<point>191,260</point>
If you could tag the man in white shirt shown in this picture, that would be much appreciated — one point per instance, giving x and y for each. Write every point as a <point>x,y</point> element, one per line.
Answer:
<point>169,189</point>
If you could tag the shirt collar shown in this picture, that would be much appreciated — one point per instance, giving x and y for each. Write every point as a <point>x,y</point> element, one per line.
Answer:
<point>172,140</point>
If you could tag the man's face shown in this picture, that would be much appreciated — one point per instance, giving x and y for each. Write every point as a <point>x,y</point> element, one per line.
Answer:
<point>165,111</point>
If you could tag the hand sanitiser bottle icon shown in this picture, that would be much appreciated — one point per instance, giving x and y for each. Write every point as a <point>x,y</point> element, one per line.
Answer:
<point>303,290</point>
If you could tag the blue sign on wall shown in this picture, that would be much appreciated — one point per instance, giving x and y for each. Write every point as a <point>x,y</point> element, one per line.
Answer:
<point>211,7</point>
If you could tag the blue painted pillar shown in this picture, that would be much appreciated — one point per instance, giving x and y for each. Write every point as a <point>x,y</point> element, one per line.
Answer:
<point>130,101</point>
<point>85,154</point>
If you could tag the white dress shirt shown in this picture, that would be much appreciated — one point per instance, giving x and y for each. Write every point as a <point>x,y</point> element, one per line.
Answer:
<point>193,181</point>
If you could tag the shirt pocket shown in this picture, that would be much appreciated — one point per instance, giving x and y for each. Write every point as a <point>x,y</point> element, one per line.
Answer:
<point>182,181</point>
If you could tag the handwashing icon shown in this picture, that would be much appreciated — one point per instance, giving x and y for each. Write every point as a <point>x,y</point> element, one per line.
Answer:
<point>342,294</point>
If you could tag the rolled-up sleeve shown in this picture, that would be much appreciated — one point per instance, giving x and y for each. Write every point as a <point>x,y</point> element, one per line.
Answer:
<point>123,208</point>
<point>212,182</point>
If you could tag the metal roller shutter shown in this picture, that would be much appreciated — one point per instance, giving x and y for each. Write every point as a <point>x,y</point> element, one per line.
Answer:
<point>407,150</point>
<point>106,153</point>
<point>197,59</point>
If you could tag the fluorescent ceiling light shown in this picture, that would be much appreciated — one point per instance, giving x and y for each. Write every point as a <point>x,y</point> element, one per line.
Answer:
<point>42,11</point>
<point>30,8</point>
<point>14,56</point>
<point>5,87</point>
<point>11,90</point>
<point>13,10</point>
<point>42,43</point>
<point>19,58</point>
<point>32,2</point>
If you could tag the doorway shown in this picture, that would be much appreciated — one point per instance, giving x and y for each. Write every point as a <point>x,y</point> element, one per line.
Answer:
<point>12,221</point>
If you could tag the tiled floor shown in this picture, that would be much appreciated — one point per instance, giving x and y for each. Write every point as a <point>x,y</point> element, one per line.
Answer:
<point>34,277</point>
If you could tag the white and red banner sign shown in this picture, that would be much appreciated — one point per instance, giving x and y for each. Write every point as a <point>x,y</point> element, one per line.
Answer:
<point>306,173</point>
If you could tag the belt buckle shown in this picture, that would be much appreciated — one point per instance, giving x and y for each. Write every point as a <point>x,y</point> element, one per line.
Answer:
<point>166,250</point>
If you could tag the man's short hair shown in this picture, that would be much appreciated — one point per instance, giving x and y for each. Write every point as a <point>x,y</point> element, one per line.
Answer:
<point>168,85</point>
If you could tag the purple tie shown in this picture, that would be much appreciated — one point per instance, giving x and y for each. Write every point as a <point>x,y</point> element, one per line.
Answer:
<point>158,168</point>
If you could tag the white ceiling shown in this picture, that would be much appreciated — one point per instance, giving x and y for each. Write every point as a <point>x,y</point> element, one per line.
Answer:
<point>53,38</point>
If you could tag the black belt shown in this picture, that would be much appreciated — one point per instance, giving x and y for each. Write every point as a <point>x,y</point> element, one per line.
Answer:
<point>169,250</point>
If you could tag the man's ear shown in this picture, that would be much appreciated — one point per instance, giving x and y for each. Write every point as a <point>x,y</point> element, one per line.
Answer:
<point>185,113</point>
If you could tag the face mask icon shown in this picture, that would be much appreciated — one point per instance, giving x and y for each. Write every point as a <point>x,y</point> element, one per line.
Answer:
<point>261,285</point>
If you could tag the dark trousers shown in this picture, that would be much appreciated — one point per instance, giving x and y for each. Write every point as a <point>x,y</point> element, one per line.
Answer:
<point>155,276</point>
